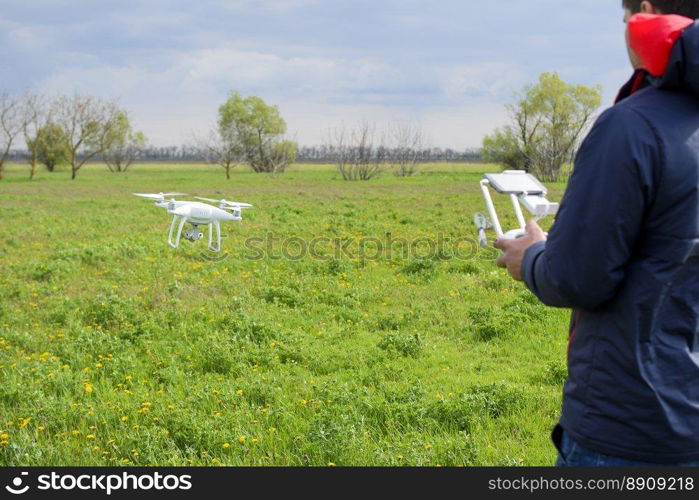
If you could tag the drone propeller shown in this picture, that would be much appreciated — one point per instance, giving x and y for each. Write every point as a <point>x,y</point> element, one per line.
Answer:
<point>159,196</point>
<point>229,204</point>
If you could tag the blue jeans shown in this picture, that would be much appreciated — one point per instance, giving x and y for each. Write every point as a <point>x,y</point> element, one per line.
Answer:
<point>573,454</point>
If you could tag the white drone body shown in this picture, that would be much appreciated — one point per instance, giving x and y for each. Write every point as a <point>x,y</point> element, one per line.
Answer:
<point>197,214</point>
<point>523,189</point>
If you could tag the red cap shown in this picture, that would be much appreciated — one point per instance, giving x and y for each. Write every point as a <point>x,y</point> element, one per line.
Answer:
<point>652,37</point>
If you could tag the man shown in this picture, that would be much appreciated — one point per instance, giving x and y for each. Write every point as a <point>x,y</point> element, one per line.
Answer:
<point>623,254</point>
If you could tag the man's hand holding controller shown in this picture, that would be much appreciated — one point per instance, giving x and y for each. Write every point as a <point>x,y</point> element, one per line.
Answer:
<point>513,249</point>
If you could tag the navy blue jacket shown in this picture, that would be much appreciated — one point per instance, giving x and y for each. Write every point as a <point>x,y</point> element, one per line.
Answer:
<point>623,253</point>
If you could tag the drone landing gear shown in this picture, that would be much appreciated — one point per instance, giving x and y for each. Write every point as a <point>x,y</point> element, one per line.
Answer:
<point>194,234</point>
<point>217,248</point>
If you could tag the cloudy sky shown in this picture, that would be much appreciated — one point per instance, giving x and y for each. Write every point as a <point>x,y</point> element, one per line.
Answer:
<point>450,65</point>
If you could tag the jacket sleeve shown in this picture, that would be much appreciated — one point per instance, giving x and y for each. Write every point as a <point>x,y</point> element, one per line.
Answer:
<point>592,239</point>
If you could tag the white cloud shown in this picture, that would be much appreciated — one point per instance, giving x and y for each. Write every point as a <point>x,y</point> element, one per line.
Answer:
<point>277,6</point>
<point>314,93</point>
<point>172,63</point>
<point>492,80</point>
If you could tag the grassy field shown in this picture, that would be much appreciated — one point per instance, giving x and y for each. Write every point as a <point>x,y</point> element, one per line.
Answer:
<point>116,349</point>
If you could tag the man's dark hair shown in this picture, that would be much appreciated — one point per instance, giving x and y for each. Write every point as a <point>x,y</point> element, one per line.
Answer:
<point>687,8</point>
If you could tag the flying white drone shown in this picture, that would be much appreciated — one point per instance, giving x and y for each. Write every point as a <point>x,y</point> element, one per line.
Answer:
<point>522,188</point>
<point>197,214</point>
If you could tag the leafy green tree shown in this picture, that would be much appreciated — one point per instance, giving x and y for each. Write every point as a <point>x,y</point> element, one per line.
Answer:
<point>122,145</point>
<point>503,147</point>
<point>50,146</point>
<point>254,131</point>
<point>547,122</point>
<point>36,114</point>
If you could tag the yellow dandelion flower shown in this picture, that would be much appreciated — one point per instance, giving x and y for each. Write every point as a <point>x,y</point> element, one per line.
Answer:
<point>241,439</point>
<point>239,392</point>
<point>90,436</point>
<point>25,422</point>
<point>225,445</point>
<point>331,464</point>
<point>88,387</point>
<point>124,418</point>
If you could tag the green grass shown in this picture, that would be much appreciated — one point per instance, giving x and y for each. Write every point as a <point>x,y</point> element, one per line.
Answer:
<point>116,349</point>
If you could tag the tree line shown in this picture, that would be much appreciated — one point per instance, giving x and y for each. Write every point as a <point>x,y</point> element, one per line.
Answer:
<point>321,154</point>
<point>547,122</point>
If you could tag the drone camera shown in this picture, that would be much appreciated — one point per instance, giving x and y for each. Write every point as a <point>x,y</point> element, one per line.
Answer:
<point>193,234</point>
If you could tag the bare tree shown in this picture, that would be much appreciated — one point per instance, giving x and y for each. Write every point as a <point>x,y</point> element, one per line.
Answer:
<point>282,154</point>
<point>88,122</point>
<point>338,149</point>
<point>221,149</point>
<point>359,154</point>
<point>407,142</point>
<point>10,126</point>
<point>36,111</point>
